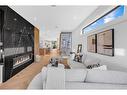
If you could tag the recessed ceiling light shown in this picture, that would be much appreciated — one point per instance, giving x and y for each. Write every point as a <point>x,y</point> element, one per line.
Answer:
<point>15,19</point>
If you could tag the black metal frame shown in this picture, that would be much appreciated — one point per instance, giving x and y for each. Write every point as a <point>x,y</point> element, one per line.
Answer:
<point>101,17</point>
<point>112,30</point>
<point>95,35</point>
<point>79,51</point>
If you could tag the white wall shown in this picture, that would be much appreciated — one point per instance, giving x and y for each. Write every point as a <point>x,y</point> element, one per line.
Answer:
<point>119,61</point>
<point>77,37</point>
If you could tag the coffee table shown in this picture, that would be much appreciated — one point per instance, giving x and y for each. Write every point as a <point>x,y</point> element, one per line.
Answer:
<point>64,61</point>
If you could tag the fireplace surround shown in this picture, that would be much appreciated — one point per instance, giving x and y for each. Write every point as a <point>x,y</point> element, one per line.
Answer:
<point>16,42</point>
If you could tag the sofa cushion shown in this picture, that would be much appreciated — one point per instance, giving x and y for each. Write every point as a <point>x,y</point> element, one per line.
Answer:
<point>75,74</point>
<point>102,76</point>
<point>55,78</point>
<point>77,65</point>
<point>81,85</point>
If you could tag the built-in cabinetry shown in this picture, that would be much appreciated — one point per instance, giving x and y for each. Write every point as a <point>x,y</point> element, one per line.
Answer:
<point>44,51</point>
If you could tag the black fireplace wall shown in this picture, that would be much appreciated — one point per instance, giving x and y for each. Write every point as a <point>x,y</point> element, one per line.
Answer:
<point>17,36</point>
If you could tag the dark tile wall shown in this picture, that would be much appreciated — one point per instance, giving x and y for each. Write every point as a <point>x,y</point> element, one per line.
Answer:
<point>17,38</point>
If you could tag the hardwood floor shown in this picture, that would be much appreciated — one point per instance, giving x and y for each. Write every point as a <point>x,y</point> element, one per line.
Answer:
<point>23,78</point>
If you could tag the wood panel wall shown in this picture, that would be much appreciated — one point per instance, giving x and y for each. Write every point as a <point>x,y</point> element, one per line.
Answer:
<point>36,41</point>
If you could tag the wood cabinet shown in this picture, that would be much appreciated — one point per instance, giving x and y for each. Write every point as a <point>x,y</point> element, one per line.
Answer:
<point>44,51</point>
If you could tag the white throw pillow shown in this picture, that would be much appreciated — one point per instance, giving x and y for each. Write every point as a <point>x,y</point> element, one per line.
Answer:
<point>104,76</point>
<point>103,67</point>
<point>75,74</point>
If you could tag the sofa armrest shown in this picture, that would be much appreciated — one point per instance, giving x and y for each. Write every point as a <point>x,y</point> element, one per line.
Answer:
<point>36,83</point>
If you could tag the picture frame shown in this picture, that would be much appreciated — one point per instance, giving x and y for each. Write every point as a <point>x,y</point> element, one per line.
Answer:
<point>92,43</point>
<point>79,50</point>
<point>105,42</point>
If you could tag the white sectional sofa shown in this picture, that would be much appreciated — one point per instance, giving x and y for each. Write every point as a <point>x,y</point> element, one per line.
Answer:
<point>87,60</point>
<point>79,79</point>
<point>95,79</point>
<point>49,78</point>
<point>74,64</point>
<point>39,80</point>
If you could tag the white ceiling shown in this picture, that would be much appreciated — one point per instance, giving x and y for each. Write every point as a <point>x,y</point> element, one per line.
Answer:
<point>51,20</point>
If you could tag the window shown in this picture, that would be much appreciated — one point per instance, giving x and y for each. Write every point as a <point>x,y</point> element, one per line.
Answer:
<point>113,14</point>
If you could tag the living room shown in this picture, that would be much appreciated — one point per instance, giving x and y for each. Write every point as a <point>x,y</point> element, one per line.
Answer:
<point>109,60</point>
<point>64,47</point>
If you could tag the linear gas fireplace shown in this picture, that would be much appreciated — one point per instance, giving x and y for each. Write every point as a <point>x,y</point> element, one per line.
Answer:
<point>16,42</point>
<point>20,60</point>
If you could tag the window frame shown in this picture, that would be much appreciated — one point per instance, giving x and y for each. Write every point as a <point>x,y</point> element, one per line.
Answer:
<point>101,17</point>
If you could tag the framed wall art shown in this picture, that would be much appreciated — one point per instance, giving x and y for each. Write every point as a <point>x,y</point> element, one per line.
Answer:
<point>92,43</point>
<point>105,42</point>
<point>79,50</point>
